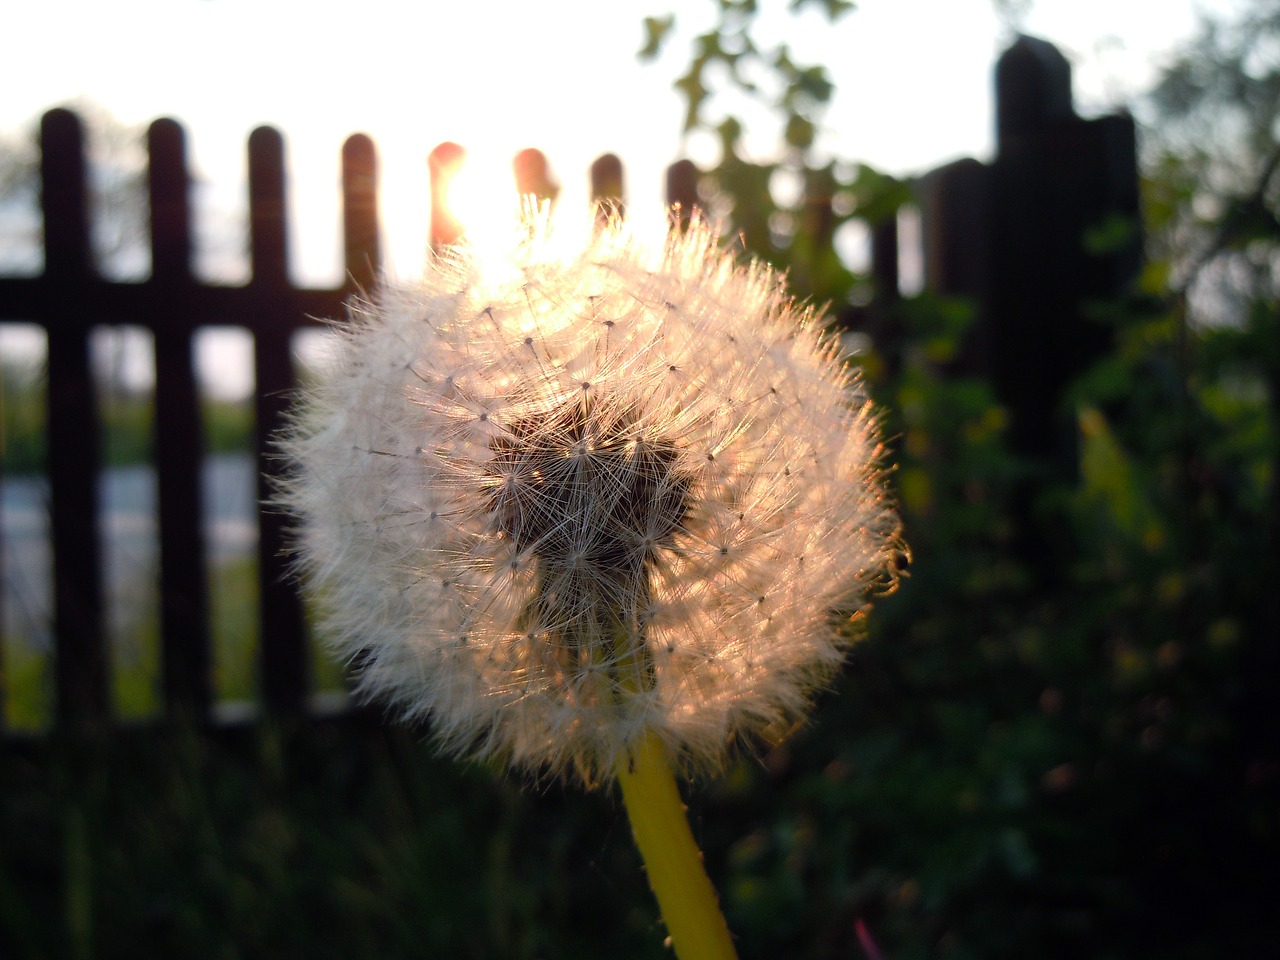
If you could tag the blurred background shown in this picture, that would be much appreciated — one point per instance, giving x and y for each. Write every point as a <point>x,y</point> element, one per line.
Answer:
<point>1059,738</point>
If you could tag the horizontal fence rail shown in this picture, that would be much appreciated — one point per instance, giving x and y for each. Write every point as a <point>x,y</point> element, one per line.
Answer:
<point>1007,235</point>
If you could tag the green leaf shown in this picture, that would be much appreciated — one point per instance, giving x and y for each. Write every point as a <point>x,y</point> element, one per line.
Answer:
<point>730,130</point>
<point>877,195</point>
<point>656,32</point>
<point>1112,235</point>
<point>695,94</point>
<point>800,131</point>
<point>814,83</point>
<point>710,48</point>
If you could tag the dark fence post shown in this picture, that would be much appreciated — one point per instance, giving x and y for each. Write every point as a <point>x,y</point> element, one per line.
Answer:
<point>80,659</point>
<point>1050,225</point>
<point>533,175</point>
<point>813,247</point>
<point>607,192</point>
<point>1060,186</point>
<point>880,318</point>
<point>363,255</point>
<point>186,654</point>
<point>884,261</point>
<point>275,316</point>
<point>682,192</point>
<point>956,226</point>
<point>1030,240</point>
<point>955,219</point>
<point>443,163</point>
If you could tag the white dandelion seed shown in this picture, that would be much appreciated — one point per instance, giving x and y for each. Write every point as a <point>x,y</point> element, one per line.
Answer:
<point>603,497</point>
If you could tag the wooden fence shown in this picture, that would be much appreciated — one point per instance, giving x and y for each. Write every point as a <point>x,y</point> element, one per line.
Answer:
<point>1010,235</point>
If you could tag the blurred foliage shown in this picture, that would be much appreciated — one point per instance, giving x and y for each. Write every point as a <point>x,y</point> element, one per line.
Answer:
<point>1077,753</point>
<point>731,50</point>
<point>1074,763</point>
<point>786,209</point>
<point>1213,157</point>
<point>127,419</point>
<point>22,409</point>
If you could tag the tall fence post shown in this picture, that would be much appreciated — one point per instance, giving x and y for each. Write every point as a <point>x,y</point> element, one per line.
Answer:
<point>1064,231</point>
<point>285,674</point>
<point>608,194</point>
<point>186,654</point>
<point>362,252</point>
<point>80,659</point>
<point>1030,240</point>
<point>682,192</point>
<point>1051,224</point>
<point>955,215</point>
<point>533,176</point>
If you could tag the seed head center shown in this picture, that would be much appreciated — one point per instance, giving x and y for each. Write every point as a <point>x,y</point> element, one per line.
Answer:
<point>581,490</point>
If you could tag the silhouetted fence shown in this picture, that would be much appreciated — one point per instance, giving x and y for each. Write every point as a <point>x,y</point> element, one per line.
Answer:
<point>1032,238</point>
<point>1012,235</point>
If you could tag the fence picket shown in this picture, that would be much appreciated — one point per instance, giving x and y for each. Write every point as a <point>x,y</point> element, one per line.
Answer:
<point>443,164</point>
<point>682,191</point>
<point>533,175</point>
<point>186,656</point>
<point>273,318</point>
<point>607,192</point>
<point>362,253</point>
<point>1056,177</point>
<point>67,312</point>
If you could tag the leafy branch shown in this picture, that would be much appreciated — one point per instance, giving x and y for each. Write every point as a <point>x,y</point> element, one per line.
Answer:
<point>767,74</point>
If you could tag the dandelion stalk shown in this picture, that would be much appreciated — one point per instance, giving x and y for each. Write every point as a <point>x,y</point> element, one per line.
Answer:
<point>593,514</point>
<point>671,857</point>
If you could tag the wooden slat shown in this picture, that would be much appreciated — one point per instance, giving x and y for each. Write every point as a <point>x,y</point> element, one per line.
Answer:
<point>363,256</point>
<point>682,192</point>
<point>273,318</point>
<point>884,260</point>
<point>608,195</point>
<point>186,655</point>
<point>80,660</point>
<point>1055,177</point>
<point>533,175</point>
<point>443,164</point>
<point>26,299</point>
<point>881,319</point>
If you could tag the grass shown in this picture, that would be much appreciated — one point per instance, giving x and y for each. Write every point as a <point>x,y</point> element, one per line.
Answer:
<point>340,840</point>
<point>126,419</point>
<point>28,687</point>
<point>233,605</point>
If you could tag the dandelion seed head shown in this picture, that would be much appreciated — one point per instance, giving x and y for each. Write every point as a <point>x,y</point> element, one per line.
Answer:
<point>587,497</point>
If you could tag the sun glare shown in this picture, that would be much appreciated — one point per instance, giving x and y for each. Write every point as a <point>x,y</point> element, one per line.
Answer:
<point>476,199</point>
<point>473,196</point>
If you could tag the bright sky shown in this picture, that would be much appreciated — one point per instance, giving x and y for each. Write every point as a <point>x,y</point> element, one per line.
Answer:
<point>913,82</point>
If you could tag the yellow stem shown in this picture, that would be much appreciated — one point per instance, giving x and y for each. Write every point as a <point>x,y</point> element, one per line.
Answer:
<point>672,859</point>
